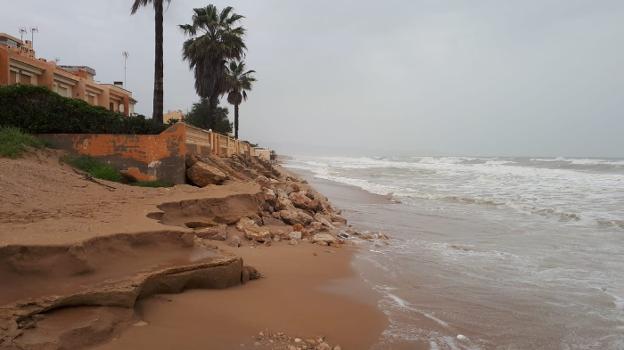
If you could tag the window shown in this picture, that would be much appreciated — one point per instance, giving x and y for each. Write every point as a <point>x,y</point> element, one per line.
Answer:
<point>13,77</point>
<point>25,79</point>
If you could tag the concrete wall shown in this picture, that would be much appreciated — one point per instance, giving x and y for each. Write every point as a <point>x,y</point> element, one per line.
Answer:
<point>155,157</point>
<point>144,157</point>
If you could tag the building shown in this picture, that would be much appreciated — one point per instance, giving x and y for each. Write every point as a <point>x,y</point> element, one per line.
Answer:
<point>173,115</point>
<point>19,65</point>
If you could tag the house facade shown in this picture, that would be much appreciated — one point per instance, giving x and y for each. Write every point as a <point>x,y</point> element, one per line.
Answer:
<point>19,65</point>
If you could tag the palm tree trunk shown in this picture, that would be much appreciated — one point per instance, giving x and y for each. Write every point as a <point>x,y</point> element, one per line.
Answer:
<point>236,121</point>
<point>157,112</point>
<point>213,102</point>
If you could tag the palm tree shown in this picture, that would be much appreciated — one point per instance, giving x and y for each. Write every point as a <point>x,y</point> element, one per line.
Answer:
<point>214,39</point>
<point>157,109</point>
<point>238,82</point>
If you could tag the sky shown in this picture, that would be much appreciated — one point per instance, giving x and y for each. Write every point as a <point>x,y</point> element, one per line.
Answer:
<point>412,77</point>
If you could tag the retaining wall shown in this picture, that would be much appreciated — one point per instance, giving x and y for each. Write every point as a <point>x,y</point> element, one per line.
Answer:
<point>144,157</point>
<point>155,157</point>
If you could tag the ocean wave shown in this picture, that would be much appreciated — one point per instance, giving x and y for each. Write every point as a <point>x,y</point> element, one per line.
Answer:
<point>563,216</point>
<point>567,195</point>
<point>611,223</point>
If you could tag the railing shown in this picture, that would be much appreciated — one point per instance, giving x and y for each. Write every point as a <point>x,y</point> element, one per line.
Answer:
<point>220,145</point>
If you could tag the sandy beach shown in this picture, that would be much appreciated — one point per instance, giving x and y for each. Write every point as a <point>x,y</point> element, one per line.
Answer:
<point>308,295</point>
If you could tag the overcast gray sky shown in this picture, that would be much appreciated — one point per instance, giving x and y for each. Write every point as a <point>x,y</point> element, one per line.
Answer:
<point>473,77</point>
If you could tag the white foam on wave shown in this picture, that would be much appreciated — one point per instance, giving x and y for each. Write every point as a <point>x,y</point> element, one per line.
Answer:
<point>563,194</point>
<point>398,302</point>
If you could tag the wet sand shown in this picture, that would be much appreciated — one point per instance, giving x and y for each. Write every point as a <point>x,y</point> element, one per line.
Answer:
<point>307,291</point>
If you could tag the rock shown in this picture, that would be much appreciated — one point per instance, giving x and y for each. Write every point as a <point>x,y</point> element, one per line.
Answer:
<point>191,159</point>
<point>140,324</point>
<point>343,235</point>
<point>338,218</point>
<point>293,242</point>
<point>218,233</point>
<point>325,238</point>
<point>263,181</point>
<point>283,203</point>
<point>270,219</point>
<point>337,347</point>
<point>315,226</point>
<point>298,227</point>
<point>234,242</point>
<point>244,222</point>
<point>252,231</point>
<point>269,195</point>
<point>302,201</point>
<point>323,220</point>
<point>249,273</point>
<point>295,235</point>
<point>323,346</point>
<point>295,216</point>
<point>298,340</point>
<point>202,174</point>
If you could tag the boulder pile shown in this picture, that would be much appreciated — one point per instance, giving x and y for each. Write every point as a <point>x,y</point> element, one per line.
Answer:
<point>289,208</point>
<point>292,211</point>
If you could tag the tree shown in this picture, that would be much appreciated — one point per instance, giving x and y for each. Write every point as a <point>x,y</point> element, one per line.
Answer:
<point>205,117</point>
<point>238,82</point>
<point>157,108</point>
<point>214,40</point>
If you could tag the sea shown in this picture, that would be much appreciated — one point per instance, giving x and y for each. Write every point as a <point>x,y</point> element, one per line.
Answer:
<point>489,252</point>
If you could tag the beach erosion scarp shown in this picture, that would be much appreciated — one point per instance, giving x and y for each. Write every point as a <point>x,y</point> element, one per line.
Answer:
<point>86,265</point>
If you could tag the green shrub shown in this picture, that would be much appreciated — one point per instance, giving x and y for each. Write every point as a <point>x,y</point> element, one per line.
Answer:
<point>38,110</point>
<point>94,167</point>
<point>101,170</point>
<point>14,142</point>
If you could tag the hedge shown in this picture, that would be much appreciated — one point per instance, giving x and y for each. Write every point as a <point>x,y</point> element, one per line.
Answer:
<point>39,110</point>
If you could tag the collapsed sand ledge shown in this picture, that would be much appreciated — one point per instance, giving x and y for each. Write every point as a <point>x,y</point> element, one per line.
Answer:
<point>76,269</point>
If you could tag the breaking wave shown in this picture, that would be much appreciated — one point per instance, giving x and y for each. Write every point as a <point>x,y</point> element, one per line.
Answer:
<point>568,190</point>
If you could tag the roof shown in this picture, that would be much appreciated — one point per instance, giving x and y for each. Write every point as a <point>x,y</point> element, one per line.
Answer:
<point>5,35</point>
<point>76,68</point>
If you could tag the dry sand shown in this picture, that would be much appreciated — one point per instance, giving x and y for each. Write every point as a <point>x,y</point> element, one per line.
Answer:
<point>43,201</point>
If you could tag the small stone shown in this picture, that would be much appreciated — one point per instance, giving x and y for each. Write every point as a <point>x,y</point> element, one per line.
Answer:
<point>323,346</point>
<point>295,235</point>
<point>298,340</point>
<point>462,337</point>
<point>337,347</point>
<point>141,324</point>
<point>234,242</point>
